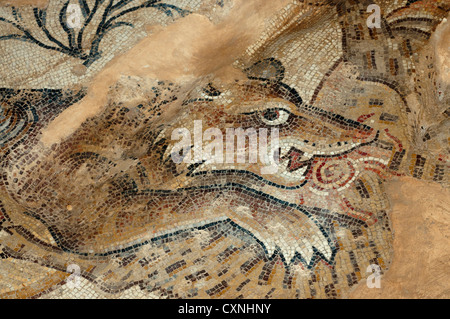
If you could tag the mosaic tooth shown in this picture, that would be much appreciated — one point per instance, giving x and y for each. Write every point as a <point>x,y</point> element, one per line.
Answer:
<point>324,249</point>
<point>284,150</point>
<point>269,244</point>
<point>307,252</point>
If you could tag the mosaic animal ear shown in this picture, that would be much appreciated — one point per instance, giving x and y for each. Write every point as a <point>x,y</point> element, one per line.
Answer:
<point>267,69</point>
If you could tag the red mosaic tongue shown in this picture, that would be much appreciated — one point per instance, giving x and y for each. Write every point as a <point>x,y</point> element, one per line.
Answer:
<point>295,162</point>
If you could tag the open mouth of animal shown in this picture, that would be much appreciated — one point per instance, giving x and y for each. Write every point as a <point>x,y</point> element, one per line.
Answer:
<point>294,159</point>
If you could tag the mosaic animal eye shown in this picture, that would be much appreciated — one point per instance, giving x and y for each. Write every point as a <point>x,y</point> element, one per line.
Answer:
<point>274,116</point>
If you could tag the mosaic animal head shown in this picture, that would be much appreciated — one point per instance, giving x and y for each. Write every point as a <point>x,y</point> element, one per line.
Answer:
<point>106,194</point>
<point>112,199</point>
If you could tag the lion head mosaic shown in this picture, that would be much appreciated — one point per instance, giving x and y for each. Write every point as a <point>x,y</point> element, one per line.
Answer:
<point>332,101</point>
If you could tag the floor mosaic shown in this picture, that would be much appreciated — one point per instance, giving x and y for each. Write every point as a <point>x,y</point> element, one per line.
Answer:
<point>110,203</point>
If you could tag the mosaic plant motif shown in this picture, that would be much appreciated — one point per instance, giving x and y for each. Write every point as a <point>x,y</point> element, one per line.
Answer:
<point>108,19</point>
<point>110,199</point>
